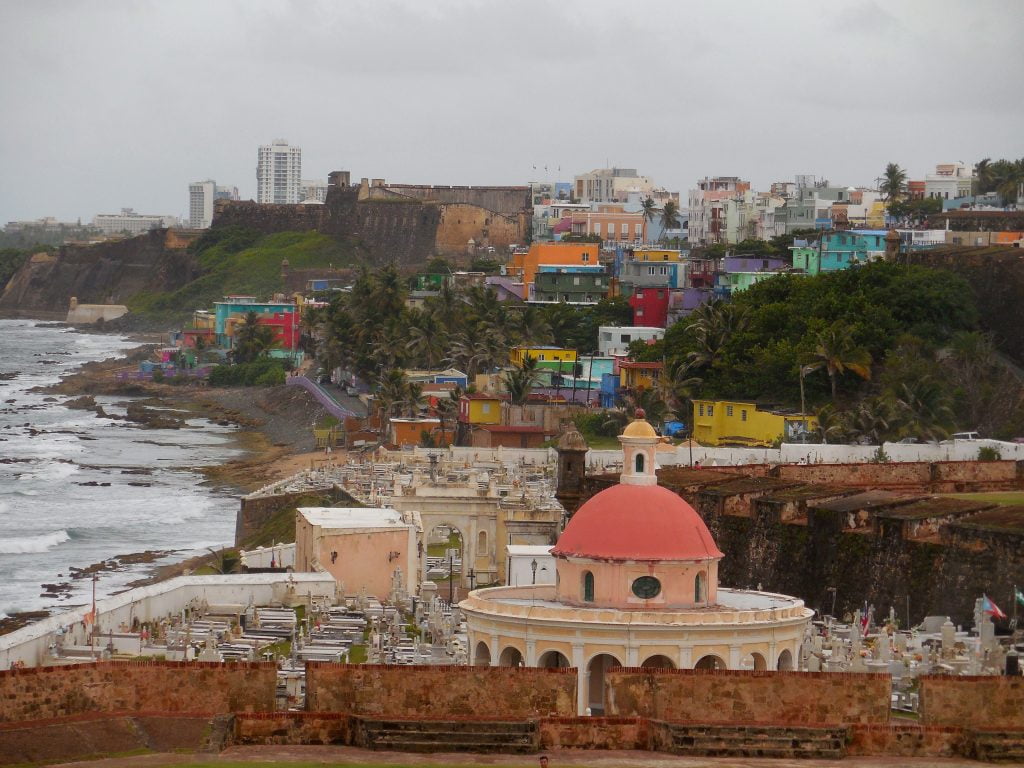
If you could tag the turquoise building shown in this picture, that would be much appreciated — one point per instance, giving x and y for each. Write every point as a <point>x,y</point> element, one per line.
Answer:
<point>838,250</point>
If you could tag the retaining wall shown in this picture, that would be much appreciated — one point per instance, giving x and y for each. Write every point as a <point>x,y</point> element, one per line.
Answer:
<point>738,697</point>
<point>973,702</point>
<point>38,693</point>
<point>440,691</point>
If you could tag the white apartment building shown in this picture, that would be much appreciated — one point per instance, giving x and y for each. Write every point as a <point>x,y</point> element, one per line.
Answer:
<point>311,190</point>
<point>615,339</point>
<point>950,181</point>
<point>707,207</point>
<point>131,222</point>
<point>279,173</point>
<point>610,185</point>
<point>201,196</point>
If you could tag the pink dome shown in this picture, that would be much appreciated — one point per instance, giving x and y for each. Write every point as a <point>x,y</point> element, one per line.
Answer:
<point>635,522</point>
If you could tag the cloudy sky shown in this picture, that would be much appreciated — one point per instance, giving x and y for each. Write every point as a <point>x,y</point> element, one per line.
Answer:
<point>107,104</point>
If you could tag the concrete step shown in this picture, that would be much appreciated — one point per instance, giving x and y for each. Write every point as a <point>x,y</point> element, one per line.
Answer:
<point>449,737</point>
<point>998,746</point>
<point>477,747</point>
<point>757,741</point>
<point>452,726</point>
<point>754,751</point>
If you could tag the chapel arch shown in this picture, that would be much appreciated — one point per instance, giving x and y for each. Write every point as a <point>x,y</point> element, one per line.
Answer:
<point>785,661</point>
<point>658,661</point>
<point>510,657</point>
<point>482,655</point>
<point>710,662</point>
<point>596,670</point>
<point>553,660</point>
<point>754,661</point>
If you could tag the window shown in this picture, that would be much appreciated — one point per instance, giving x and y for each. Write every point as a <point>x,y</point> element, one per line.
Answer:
<point>646,587</point>
<point>588,587</point>
<point>575,281</point>
<point>699,589</point>
<point>586,257</point>
<point>701,409</point>
<point>481,543</point>
<point>626,338</point>
<point>485,407</point>
<point>728,410</point>
<point>743,415</point>
<point>639,463</point>
<point>711,410</point>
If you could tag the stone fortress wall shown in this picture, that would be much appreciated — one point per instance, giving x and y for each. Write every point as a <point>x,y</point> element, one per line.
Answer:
<point>57,712</point>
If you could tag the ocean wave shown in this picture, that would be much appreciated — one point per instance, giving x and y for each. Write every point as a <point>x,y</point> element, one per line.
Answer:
<point>33,544</point>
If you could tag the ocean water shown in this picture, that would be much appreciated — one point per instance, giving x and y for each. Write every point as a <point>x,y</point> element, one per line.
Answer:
<point>56,509</point>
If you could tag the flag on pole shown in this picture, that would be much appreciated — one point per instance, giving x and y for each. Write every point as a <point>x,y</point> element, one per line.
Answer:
<point>991,608</point>
<point>1019,595</point>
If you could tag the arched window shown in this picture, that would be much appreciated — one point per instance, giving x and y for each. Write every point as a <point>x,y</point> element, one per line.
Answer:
<point>588,587</point>
<point>699,589</point>
<point>481,543</point>
<point>639,463</point>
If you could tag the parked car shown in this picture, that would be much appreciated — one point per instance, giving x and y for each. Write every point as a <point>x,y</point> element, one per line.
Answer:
<point>965,436</point>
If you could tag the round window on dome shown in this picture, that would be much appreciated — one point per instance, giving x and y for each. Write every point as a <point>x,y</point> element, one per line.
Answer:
<point>646,587</point>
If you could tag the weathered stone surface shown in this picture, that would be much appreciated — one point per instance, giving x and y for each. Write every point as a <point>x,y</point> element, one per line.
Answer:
<point>779,698</point>
<point>973,702</point>
<point>39,693</point>
<point>403,691</point>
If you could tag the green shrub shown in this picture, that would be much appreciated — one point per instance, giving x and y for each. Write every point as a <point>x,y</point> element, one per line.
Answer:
<point>259,373</point>
<point>988,453</point>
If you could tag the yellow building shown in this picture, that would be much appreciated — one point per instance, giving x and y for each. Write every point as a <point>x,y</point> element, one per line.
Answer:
<point>480,409</point>
<point>738,422</point>
<point>634,375</point>
<point>554,358</point>
<point>657,254</point>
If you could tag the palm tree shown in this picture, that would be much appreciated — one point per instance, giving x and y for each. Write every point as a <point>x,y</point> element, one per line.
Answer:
<point>669,217</point>
<point>519,381</point>
<point>831,423</point>
<point>392,391</point>
<point>649,209</point>
<point>428,339</point>
<point>894,181</point>
<point>922,409</point>
<point>713,324</point>
<point>448,410</point>
<point>252,339</point>
<point>871,421</point>
<point>983,176</point>
<point>837,353</point>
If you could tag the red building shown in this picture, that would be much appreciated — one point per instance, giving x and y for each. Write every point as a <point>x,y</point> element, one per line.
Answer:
<point>650,306</point>
<point>286,328</point>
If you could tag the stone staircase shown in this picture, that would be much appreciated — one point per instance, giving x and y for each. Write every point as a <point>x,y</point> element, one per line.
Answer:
<point>756,741</point>
<point>480,736</point>
<point>997,746</point>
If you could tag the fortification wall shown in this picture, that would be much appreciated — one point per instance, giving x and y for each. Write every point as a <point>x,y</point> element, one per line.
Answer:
<point>39,693</point>
<point>990,703</point>
<point>977,221</point>
<point>779,698</point>
<point>461,222</point>
<point>441,691</point>
<point>505,200</point>
<point>930,477</point>
<point>268,218</point>
<point>256,512</point>
<point>394,232</point>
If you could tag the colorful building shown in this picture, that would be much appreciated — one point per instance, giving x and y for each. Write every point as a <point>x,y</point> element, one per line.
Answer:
<point>551,358</point>
<point>615,339</point>
<point>650,306</point>
<point>569,284</point>
<point>480,409</point>
<point>741,422</point>
<point>410,432</point>
<point>283,316</point>
<point>523,264</point>
<point>634,375</point>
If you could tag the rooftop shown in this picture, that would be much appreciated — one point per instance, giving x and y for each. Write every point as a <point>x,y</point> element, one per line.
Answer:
<point>1008,519</point>
<point>934,507</point>
<point>866,500</point>
<point>352,517</point>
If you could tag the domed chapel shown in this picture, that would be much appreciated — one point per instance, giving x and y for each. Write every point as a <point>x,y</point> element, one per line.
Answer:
<point>636,585</point>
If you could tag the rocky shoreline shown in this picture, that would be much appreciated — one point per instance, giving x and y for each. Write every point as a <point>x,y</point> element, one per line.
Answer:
<point>275,438</point>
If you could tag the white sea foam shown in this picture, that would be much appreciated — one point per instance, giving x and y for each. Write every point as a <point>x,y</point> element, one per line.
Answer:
<point>33,544</point>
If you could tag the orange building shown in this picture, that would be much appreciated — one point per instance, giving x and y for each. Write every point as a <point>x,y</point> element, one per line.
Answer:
<point>612,223</point>
<point>522,266</point>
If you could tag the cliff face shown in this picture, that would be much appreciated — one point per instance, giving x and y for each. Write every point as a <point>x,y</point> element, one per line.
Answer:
<point>107,273</point>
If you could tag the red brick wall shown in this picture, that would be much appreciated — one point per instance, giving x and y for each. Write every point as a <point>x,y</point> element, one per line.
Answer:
<point>440,692</point>
<point>973,702</point>
<point>595,733</point>
<point>873,475</point>
<point>905,741</point>
<point>778,698</point>
<point>39,693</point>
<point>292,728</point>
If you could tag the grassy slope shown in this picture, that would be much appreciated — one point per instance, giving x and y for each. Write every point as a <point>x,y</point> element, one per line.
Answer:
<point>242,263</point>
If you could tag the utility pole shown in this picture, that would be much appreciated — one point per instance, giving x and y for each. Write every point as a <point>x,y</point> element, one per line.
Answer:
<point>451,579</point>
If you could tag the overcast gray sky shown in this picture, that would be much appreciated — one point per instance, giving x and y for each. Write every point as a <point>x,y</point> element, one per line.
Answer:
<point>107,104</point>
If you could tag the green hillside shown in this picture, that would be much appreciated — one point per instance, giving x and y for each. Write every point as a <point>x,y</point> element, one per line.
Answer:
<point>238,261</point>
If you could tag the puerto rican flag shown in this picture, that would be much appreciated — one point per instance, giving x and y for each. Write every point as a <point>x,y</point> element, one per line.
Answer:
<point>991,608</point>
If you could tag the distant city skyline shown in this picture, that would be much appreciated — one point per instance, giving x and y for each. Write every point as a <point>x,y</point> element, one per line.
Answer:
<point>763,92</point>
